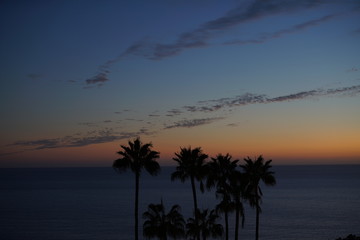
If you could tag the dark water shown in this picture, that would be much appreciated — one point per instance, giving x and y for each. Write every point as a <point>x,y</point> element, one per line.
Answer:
<point>308,202</point>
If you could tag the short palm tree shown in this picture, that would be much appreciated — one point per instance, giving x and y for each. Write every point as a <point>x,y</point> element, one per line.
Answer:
<point>256,171</point>
<point>237,191</point>
<point>191,165</point>
<point>159,224</point>
<point>225,206</point>
<point>137,156</point>
<point>204,224</point>
<point>220,169</point>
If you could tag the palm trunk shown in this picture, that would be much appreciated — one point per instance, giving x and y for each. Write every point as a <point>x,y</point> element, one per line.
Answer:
<point>194,193</point>
<point>226,225</point>
<point>137,177</point>
<point>237,225</point>
<point>257,222</point>
<point>237,220</point>
<point>257,218</point>
<point>195,201</point>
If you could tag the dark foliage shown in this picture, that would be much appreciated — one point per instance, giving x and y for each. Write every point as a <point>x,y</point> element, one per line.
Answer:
<point>160,224</point>
<point>349,237</point>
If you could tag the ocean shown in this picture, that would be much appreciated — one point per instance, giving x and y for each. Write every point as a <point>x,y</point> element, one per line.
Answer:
<point>308,202</point>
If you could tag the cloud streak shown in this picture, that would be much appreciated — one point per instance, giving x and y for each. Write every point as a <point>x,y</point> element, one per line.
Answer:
<point>173,112</point>
<point>93,137</point>
<point>353,69</point>
<point>296,28</point>
<point>249,98</point>
<point>98,80</point>
<point>193,122</point>
<point>200,36</point>
<point>214,105</point>
<point>34,76</point>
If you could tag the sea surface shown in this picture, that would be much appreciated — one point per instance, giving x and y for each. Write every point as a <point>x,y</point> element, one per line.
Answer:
<point>308,203</point>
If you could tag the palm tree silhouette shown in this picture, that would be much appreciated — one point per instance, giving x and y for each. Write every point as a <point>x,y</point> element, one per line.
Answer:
<point>204,224</point>
<point>220,169</point>
<point>225,206</point>
<point>160,224</point>
<point>191,164</point>
<point>256,171</point>
<point>137,156</point>
<point>237,190</point>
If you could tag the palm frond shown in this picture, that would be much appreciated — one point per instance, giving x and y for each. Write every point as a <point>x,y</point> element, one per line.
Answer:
<point>122,164</point>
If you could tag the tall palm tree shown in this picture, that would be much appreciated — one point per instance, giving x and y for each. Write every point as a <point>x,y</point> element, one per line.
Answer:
<point>204,224</point>
<point>161,224</point>
<point>191,164</point>
<point>220,169</point>
<point>256,171</point>
<point>137,156</point>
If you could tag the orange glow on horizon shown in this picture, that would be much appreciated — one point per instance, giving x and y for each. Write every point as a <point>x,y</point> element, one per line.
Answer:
<point>298,151</point>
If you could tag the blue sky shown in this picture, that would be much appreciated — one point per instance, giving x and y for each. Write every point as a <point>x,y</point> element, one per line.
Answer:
<point>78,75</point>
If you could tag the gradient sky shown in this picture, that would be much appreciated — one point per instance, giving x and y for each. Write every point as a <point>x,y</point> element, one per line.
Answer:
<point>278,77</point>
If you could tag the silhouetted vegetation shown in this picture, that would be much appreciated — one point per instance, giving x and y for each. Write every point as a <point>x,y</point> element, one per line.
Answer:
<point>137,156</point>
<point>204,224</point>
<point>221,170</point>
<point>349,237</point>
<point>191,165</point>
<point>256,171</point>
<point>237,190</point>
<point>234,184</point>
<point>159,224</point>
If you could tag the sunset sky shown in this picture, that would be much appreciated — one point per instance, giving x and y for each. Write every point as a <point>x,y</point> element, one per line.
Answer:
<point>277,77</point>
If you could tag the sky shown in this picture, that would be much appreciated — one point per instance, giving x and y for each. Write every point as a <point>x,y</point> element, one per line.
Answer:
<point>279,78</point>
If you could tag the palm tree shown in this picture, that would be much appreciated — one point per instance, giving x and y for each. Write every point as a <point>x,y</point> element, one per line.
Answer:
<point>237,191</point>
<point>256,171</point>
<point>220,169</point>
<point>191,164</point>
<point>225,206</point>
<point>137,156</point>
<point>161,224</point>
<point>204,224</point>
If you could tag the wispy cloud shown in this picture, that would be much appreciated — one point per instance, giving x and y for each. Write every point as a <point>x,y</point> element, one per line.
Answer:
<point>35,76</point>
<point>201,35</point>
<point>99,79</point>
<point>88,124</point>
<point>40,144</point>
<point>93,137</point>
<point>193,122</point>
<point>296,28</point>
<point>249,98</point>
<point>353,69</point>
<point>122,111</point>
<point>348,91</point>
<point>357,31</point>
<point>9,153</point>
<point>214,105</point>
<point>232,125</point>
<point>296,96</point>
<point>173,112</point>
